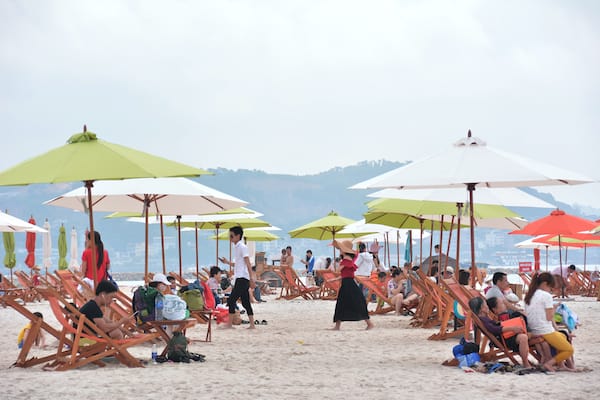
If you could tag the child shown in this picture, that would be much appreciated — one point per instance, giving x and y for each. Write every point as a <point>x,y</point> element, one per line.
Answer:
<point>39,341</point>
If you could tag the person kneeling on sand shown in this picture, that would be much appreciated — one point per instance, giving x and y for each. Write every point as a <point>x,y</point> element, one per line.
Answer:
<point>105,292</point>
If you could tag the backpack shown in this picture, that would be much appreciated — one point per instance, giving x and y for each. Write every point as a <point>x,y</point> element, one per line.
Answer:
<point>193,298</point>
<point>209,298</point>
<point>177,348</point>
<point>174,308</point>
<point>143,303</point>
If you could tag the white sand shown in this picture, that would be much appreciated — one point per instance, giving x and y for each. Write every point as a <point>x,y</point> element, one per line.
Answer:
<point>296,356</point>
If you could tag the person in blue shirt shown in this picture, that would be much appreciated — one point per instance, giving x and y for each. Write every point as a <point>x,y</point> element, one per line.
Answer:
<point>309,262</point>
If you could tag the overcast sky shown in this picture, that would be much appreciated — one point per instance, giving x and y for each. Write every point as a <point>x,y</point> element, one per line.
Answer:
<point>303,86</point>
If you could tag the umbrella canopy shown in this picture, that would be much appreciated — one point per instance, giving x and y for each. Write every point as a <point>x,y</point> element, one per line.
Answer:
<point>74,262</point>
<point>557,223</point>
<point>533,244</point>
<point>572,240</point>
<point>8,223</point>
<point>252,235</point>
<point>164,196</point>
<point>88,159</point>
<point>30,246</point>
<point>47,247</point>
<point>471,164</point>
<point>326,228</point>
<point>62,248</point>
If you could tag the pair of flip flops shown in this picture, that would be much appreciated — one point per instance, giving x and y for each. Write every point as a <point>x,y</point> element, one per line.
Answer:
<point>263,322</point>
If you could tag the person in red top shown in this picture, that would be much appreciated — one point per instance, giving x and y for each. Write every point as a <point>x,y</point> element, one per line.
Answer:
<point>350,304</point>
<point>102,259</point>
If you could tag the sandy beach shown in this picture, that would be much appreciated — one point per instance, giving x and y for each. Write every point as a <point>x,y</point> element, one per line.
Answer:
<point>296,356</point>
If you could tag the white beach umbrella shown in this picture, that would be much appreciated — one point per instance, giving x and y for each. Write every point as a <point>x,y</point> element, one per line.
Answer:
<point>160,196</point>
<point>74,261</point>
<point>8,223</point>
<point>47,247</point>
<point>471,164</point>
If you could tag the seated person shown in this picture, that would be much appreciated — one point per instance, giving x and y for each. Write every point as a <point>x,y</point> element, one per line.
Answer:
<point>173,285</point>
<point>518,342</point>
<point>499,288</point>
<point>410,296</point>
<point>40,339</point>
<point>395,290</point>
<point>214,283</point>
<point>105,292</point>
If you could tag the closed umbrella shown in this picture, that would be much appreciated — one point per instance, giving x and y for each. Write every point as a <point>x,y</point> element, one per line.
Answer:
<point>47,247</point>
<point>471,164</point>
<point>30,246</point>
<point>74,261</point>
<point>62,248</point>
<point>10,259</point>
<point>87,158</point>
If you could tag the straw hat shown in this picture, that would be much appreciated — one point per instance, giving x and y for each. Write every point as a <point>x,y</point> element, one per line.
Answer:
<point>345,246</point>
<point>36,268</point>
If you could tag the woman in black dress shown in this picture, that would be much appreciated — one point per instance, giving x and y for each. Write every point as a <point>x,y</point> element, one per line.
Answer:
<point>350,304</point>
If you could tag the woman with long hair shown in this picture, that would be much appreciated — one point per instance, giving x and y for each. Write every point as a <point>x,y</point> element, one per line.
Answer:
<point>350,304</point>
<point>540,318</point>
<point>102,260</point>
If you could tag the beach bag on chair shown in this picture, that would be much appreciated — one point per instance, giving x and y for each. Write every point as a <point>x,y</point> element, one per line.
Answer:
<point>193,298</point>
<point>143,303</point>
<point>174,308</point>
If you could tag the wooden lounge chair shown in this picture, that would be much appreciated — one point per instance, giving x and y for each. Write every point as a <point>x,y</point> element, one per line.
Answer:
<point>24,360</point>
<point>331,284</point>
<point>441,310</point>
<point>100,344</point>
<point>26,282</point>
<point>384,303</point>
<point>297,288</point>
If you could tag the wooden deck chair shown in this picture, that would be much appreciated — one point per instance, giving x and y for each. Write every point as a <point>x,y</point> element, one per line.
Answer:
<point>443,306</point>
<point>70,284</point>
<point>285,290</point>
<point>8,288</point>
<point>384,304</point>
<point>426,309</point>
<point>98,344</point>
<point>37,325</point>
<point>26,282</point>
<point>297,288</point>
<point>331,284</point>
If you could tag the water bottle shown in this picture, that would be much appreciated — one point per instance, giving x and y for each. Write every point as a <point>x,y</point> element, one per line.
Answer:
<point>158,308</point>
<point>154,353</point>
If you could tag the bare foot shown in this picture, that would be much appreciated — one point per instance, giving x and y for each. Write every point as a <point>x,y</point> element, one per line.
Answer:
<point>335,328</point>
<point>252,326</point>
<point>226,326</point>
<point>370,325</point>
<point>547,367</point>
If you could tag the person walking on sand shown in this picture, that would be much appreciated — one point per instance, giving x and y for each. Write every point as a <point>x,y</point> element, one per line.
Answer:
<point>350,304</point>
<point>244,276</point>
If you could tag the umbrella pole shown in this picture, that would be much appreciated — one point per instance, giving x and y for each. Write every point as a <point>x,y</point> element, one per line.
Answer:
<point>562,286</point>
<point>333,259</point>
<point>449,240</point>
<point>217,241</point>
<point>421,245</point>
<point>442,263</point>
<point>89,185</point>
<point>197,271</point>
<point>398,246</point>
<point>179,242</point>
<point>584,256</point>
<point>387,245</point>
<point>459,213</point>
<point>162,245</point>
<point>471,188</point>
<point>546,258</point>
<point>146,206</point>
<point>431,250</point>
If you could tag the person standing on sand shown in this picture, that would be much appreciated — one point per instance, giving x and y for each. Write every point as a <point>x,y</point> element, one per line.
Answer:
<point>244,276</point>
<point>350,304</point>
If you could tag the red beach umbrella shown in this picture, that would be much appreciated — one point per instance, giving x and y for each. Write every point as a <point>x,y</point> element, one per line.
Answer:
<point>557,223</point>
<point>30,246</point>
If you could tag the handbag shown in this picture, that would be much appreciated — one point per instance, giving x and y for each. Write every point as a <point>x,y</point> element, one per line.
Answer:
<point>513,322</point>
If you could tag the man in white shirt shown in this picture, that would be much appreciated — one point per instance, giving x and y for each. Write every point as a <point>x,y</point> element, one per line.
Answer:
<point>500,286</point>
<point>244,276</point>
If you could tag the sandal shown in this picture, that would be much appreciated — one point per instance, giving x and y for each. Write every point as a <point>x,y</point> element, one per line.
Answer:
<point>256,322</point>
<point>263,322</point>
<point>245,322</point>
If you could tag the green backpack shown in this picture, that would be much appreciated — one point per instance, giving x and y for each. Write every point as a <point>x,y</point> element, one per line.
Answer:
<point>177,348</point>
<point>193,298</point>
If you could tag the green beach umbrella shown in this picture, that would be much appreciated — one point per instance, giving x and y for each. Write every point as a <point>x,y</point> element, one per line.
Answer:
<point>326,228</point>
<point>86,158</point>
<point>62,248</point>
<point>10,259</point>
<point>252,235</point>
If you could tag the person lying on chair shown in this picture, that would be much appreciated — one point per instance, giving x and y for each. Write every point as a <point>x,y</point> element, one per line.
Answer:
<point>105,292</point>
